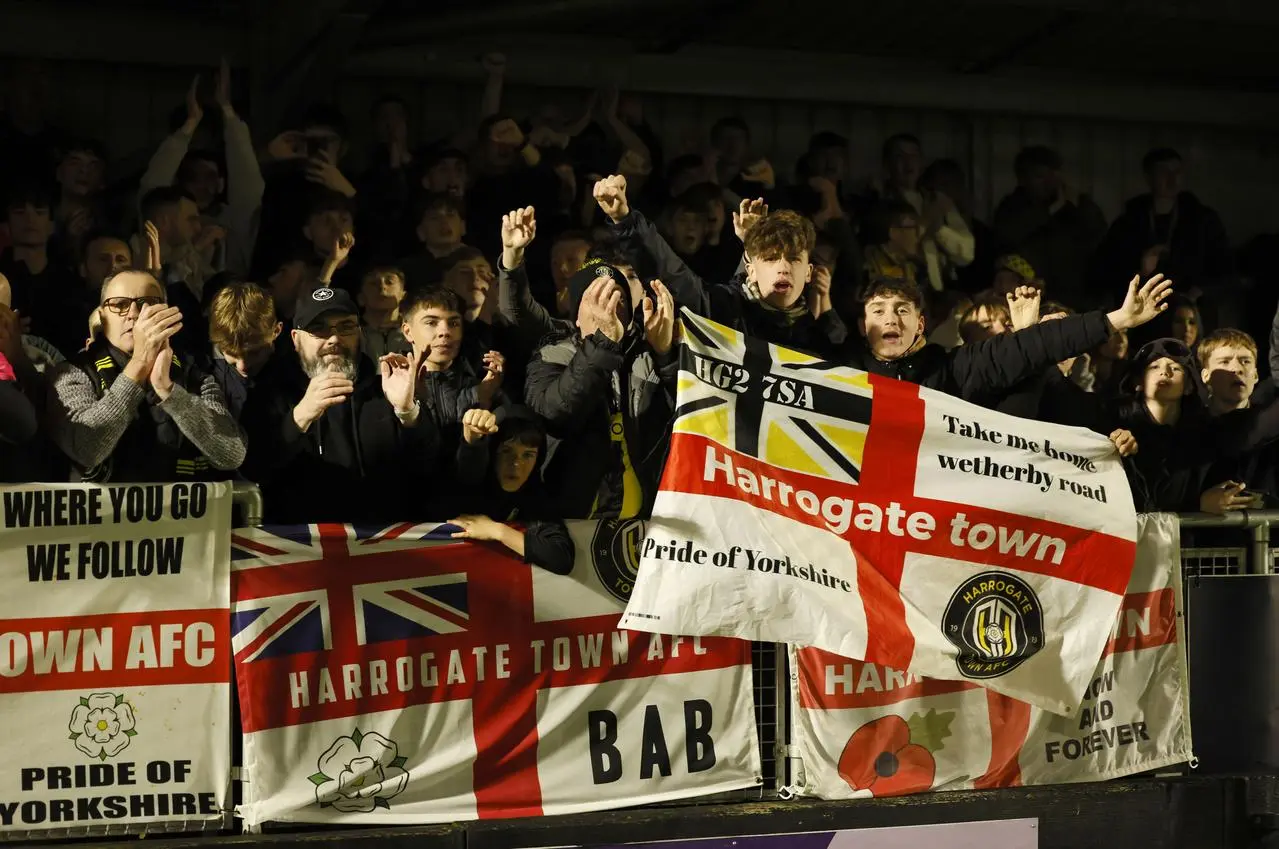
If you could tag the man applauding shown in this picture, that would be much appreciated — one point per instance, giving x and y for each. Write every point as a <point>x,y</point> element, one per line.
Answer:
<point>332,434</point>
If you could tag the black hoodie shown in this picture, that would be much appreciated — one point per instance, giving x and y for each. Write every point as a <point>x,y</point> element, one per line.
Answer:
<point>546,538</point>
<point>1171,467</point>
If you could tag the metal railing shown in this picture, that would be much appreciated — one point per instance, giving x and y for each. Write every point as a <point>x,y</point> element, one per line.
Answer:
<point>1257,558</point>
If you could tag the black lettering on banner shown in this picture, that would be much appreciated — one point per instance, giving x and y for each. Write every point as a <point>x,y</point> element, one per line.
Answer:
<point>653,752</point>
<point>137,503</point>
<point>130,558</point>
<point>190,501</point>
<point>699,746</point>
<point>52,508</point>
<point>755,386</point>
<point>606,759</point>
<point>50,562</point>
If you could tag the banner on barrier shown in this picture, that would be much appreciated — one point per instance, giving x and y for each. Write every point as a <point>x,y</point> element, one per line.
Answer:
<point>114,655</point>
<point>864,730</point>
<point>402,677</point>
<point>817,505</point>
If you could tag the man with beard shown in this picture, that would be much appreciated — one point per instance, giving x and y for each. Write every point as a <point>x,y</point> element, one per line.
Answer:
<point>332,435</point>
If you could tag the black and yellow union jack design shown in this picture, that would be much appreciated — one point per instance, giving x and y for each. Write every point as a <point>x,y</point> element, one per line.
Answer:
<point>788,409</point>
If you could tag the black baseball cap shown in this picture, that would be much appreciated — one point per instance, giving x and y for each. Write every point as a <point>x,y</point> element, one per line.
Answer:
<point>323,301</point>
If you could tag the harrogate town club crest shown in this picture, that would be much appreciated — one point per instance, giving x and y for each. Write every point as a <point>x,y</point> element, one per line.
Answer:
<point>996,622</point>
<point>615,551</point>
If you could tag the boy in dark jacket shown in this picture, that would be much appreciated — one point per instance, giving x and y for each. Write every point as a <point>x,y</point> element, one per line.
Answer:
<point>607,392</point>
<point>502,473</point>
<point>895,345</point>
<point>447,385</point>
<point>780,300</point>
<point>329,441</point>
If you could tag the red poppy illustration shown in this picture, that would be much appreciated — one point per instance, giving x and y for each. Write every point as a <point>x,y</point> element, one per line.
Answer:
<point>879,757</point>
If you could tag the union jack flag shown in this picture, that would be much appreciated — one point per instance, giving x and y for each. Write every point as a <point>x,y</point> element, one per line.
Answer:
<point>288,618</point>
<point>790,409</point>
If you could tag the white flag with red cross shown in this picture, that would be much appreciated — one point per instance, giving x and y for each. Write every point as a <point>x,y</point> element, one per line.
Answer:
<point>817,505</point>
<point>864,730</point>
<point>395,675</point>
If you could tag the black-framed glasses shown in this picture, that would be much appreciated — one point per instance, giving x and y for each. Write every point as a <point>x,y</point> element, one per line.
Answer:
<point>341,328</point>
<point>121,305</point>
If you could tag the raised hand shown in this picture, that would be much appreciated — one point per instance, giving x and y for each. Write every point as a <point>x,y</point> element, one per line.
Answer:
<point>519,228</point>
<point>507,132</point>
<point>493,63</point>
<point>760,171</point>
<point>210,235</point>
<point>1023,306</point>
<point>156,325</point>
<point>322,170</point>
<point>747,215</point>
<point>547,137</point>
<point>152,240</point>
<point>610,194</point>
<point>477,424</point>
<point>399,382</point>
<point>1143,302</point>
<point>222,94</point>
<point>342,246</point>
<point>659,318</point>
<point>817,292</point>
<point>494,368</point>
<point>195,112</point>
<point>324,391</point>
<point>598,311</point>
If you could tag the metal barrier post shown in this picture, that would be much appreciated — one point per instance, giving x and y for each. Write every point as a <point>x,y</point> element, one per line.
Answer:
<point>248,496</point>
<point>1259,560</point>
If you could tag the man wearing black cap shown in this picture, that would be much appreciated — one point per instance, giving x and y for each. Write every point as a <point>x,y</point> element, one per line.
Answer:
<point>330,441</point>
<point>607,389</point>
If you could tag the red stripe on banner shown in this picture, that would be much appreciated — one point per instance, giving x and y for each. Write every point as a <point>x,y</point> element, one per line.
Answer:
<point>1009,725</point>
<point>256,545</point>
<point>269,632</point>
<point>1088,557</point>
<point>392,533</point>
<point>499,662</point>
<point>500,666</point>
<point>142,649</point>
<point>830,682</point>
<point>408,597</point>
<point>505,721</point>
<point>1145,621</point>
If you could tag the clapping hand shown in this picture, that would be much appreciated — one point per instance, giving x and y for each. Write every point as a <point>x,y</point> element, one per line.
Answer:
<point>659,318</point>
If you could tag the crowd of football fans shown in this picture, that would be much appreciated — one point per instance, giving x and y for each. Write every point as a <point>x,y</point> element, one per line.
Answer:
<point>485,327</point>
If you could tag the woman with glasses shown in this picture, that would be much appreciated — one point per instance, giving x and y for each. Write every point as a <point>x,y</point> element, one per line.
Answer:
<point>128,408</point>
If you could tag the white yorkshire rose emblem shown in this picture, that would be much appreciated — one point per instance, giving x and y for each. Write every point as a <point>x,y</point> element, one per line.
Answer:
<point>102,725</point>
<point>359,773</point>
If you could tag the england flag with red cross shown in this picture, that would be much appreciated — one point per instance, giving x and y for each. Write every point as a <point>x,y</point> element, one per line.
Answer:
<point>395,675</point>
<point>813,504</point>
